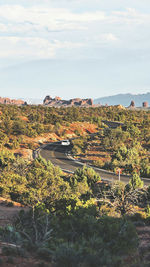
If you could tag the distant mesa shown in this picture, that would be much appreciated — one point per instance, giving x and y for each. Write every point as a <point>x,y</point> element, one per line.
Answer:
<point>8,101</point>
<point>58,102</point>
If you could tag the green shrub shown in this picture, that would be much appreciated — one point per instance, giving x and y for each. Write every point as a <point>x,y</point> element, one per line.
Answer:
<point>42,264</point>
<point>99,163</point>
<point>44,254</point>
<point>66,257</point>
<point>76,150</point>
<point>14,251</point>
<point>10,251</point>
<point>92,260</point>
<point>136,182</point>
<point>10,204</point>
<point>1,262</point>
<point>10,260</point>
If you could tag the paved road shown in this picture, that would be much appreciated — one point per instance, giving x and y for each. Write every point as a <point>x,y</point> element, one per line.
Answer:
<point>57,154</point>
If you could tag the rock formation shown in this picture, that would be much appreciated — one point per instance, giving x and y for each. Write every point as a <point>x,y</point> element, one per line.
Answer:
<point>47,99</point>
<point>57,98</point>
<point>58,102</point>
<point>145,104</point>
<point>132,105</point>
<point>8,101</point>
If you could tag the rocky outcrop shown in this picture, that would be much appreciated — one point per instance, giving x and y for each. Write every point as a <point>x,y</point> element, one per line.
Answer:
<point>57,98</point>
<point>132,105</point>
<point>145,104</point>
<point>8,101</point>
<point>58,102</point>
<point>47,99</point>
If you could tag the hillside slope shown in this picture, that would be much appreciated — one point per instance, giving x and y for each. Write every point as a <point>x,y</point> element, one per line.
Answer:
<point>124,99</point>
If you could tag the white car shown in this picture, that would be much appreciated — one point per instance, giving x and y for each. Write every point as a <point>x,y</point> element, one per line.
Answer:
<point>65,143</point>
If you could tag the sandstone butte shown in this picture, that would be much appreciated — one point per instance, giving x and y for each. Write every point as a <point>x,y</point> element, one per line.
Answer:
<point>8,101</point>
<point>58,102</point>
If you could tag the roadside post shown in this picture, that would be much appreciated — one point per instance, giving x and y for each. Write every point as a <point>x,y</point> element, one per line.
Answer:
<point>119,171</point>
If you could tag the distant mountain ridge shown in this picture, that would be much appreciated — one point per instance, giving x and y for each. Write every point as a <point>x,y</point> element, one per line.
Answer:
<point>124,99</point>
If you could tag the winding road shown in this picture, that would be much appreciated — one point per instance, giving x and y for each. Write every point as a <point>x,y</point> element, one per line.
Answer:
<point>59,156</point>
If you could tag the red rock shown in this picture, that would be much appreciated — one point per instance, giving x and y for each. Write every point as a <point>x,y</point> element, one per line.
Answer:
<point>47,99</point>
<point>132,105</point>
<point>58,102</point>
<point>145,104</point>
<point>57,98</point>
<point>9,101</point>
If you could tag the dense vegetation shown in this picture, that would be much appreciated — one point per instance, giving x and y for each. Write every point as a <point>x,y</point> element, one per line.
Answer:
<point>126,147</point>
<point>34,120</point>
<point>75,220</point>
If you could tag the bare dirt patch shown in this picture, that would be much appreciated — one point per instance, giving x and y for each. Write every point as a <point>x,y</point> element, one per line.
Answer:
<point>22,262</point>
<point>9,210</point>
<point>144,243</point>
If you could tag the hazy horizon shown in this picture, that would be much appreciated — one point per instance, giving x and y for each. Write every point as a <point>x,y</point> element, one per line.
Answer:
<point>40,100</point>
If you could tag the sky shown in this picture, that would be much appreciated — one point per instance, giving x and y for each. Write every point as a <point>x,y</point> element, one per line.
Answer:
<point>74,48</point>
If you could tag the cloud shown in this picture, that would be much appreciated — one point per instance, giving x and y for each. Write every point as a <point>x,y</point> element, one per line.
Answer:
<point>52,18</point>
<point>103,40</point>
<point>3,27</point>
<point>130,16</point>
<point>42,29</point>
<point>15,47</point>
<point>19,18</point>
<point>107,38</point>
